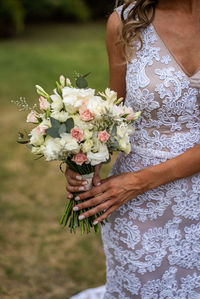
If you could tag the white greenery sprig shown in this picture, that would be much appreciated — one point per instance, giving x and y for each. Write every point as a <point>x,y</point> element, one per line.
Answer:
<point>23,105</point>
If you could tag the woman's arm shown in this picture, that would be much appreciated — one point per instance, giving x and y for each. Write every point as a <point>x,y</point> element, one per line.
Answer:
<point>117,63</point>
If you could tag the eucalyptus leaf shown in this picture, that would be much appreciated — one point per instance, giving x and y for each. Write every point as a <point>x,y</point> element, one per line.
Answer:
<point>29,146</point>
<point>54,123</point>
<point>53,132</point>
<point>86,75</point>
<point>62,129</point>
<point>114,130</point>
<point>69,124</point>
<point>81,82</point>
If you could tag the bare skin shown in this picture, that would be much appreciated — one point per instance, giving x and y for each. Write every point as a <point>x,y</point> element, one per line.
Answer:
<point>178,24</point>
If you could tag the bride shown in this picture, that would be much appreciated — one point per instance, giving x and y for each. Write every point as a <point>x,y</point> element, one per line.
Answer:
<point>152,197</point>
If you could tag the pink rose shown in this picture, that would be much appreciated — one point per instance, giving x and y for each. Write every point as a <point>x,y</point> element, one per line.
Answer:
<point>32,117</point>
<point>79,158</point>
<point>41,129</point>
<point>77,133</point>
<point>44,104</point>
<point>86,115</point>
<point>103,136</point>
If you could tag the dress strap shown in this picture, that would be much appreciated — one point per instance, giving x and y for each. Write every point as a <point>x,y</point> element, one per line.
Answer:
<point>119,10</point>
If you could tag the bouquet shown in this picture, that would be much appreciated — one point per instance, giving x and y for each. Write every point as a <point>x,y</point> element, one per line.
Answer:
<point>81,128</point>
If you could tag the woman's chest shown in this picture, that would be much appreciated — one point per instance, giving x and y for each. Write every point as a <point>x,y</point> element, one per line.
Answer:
<point>158,86</point>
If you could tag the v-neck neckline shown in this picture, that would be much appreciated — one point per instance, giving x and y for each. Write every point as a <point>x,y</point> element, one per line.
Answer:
<point>173,57</point>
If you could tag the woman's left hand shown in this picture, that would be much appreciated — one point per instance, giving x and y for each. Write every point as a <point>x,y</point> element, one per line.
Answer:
<point>111,194</point>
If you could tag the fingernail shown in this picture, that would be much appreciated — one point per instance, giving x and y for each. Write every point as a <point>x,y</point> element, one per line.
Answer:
<point>81,188</point>
<point>77,198</point>
<point>95,222</point>
<point>81,217</point>
<point>76,209</point>
<point>85,182</point>
<point>98,184</point>
<point>79,177</point>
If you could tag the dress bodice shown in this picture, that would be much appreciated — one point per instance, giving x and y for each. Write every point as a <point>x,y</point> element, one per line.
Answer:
<point>168,98</point>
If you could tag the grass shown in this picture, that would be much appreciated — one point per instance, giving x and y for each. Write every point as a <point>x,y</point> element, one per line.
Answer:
<point>39,259</point>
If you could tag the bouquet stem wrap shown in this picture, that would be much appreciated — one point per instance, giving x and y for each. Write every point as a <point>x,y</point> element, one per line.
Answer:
<point>70,217</point>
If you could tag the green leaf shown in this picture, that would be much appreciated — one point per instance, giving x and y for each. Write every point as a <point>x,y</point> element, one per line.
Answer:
<point>47,113</point>
<point>81,82</point>
<point>69,124</point>
<point>86,75</point>
<point>62,129</point>
<point>58,88</point>
<point>39,157</point>
<point>125,115</point>
<point>23,141</point>
<point>54,123</point>
<point>114,130</point>
<point>53,132</point>
<point>20,135</point>
<point>29,146</point>
<point>39,119</point>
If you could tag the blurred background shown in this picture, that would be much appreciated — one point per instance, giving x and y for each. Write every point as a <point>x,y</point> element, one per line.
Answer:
<point>39,41</point>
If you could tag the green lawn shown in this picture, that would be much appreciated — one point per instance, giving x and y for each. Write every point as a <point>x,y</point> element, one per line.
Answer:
<point>39,259</point>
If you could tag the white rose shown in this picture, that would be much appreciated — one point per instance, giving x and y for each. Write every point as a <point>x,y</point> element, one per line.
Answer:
<point>79,93</point>
<point>99,157</point>
<point>70,103</point>
<point>74,98</point>
<point>87,146</point>
<point>53,148</point>
<point>96,106</point>
<point>61,116</point>
<point>57,103</point>
<point>36,138</point>
<point>69,143</point>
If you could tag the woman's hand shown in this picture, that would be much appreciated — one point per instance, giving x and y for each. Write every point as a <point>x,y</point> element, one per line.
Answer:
<point>75,183</point>
<point>111,194</point>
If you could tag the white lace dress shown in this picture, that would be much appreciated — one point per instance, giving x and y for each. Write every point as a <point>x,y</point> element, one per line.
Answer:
<point>152,243</point>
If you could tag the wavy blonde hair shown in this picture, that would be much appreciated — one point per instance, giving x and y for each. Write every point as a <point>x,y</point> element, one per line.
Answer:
<point>139,17</point>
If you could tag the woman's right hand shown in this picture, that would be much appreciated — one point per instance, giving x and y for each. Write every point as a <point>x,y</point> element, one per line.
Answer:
<point>75,182</point>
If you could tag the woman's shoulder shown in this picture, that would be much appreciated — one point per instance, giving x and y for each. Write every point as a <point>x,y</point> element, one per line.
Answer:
<point>114,20</point>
